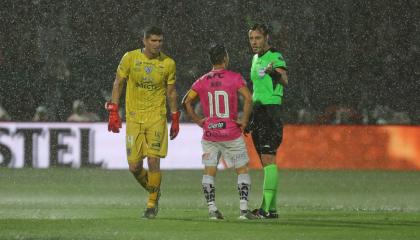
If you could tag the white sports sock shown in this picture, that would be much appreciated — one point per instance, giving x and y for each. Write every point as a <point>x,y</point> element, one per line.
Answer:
<point>209,191</point>
<point>244,187</point>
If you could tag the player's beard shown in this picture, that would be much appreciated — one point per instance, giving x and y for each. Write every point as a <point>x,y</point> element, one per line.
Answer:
<point>256,49</point>
<point>156,51</point>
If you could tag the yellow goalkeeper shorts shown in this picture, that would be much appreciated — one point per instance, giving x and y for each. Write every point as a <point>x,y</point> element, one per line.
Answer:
<point>146,138</point>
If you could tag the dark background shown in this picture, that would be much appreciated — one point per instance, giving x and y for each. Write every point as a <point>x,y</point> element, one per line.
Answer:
<point>354,57</point>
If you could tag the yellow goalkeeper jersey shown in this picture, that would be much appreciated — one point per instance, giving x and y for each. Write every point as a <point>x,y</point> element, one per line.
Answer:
<point>147,82</point>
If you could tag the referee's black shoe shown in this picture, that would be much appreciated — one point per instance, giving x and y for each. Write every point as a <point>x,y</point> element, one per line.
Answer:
<point>260,213</point>
<point>272,214</point>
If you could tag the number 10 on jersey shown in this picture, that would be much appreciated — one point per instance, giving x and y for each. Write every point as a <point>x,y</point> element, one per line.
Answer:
<point>214,103</point>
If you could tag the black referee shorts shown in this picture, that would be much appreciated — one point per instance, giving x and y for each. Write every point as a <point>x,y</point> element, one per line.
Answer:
<point>267,128</point>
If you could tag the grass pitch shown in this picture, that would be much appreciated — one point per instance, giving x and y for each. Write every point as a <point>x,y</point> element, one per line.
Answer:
<point>101,204</point>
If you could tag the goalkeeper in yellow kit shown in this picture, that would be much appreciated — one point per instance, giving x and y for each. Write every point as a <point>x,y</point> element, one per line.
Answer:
<point>150,77</point>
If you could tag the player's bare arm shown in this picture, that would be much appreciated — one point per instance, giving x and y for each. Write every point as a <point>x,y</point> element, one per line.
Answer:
<point>173,106</point>
<point>283,79</point>
<point>279,73</point>
<point>245,93</point>
<point>189,99</point>
<point>172,97</point>
<point>117,89</point>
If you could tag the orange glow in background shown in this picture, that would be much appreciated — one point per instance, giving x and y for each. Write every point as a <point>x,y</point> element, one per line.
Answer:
<point>346,147</point>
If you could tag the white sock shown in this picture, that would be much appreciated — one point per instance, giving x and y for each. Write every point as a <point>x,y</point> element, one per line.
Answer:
<point>209,191</point>
<point>212,206</point>
<point>244,187</point>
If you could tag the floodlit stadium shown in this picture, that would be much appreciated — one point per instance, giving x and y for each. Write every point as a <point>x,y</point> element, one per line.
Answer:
<point>255,119</point>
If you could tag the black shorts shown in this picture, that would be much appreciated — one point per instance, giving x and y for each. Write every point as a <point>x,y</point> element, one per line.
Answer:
<point>267,128</point>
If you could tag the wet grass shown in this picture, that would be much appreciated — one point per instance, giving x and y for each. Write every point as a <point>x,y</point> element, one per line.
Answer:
<point>102,204</point>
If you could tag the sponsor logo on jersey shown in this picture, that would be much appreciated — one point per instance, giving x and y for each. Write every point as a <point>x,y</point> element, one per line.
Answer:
<point>147,86</point>
<point>215,134</point>
<point>219,125</point>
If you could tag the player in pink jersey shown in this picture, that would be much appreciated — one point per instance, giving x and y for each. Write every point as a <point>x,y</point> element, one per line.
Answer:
<point>222,130</point>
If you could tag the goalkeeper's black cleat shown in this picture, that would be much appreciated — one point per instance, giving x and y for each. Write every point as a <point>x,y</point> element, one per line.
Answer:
<point>150,213</point>
<point>214,215</point>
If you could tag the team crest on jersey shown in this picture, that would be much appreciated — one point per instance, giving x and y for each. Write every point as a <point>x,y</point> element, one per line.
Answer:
<point>148,69</point>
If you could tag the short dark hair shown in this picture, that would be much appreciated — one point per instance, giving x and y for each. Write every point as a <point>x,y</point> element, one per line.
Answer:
<point>152,30</point>
<point>261,27</point>
<point>217,53</point>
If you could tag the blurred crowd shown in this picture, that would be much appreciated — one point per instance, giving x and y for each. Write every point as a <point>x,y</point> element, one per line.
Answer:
<point>42,114</point>
<point>352,62</point>
<point>344,115</point>
<point>380,115</point>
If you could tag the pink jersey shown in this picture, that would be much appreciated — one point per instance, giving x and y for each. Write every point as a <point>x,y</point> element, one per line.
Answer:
<point>218,92</point>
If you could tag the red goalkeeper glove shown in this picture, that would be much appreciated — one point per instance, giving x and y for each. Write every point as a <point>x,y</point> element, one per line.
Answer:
<point>175,124</point>
<point>114,122</point>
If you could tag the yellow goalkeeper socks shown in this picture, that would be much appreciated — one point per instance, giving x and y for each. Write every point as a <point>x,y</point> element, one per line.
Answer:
<point>141,177</point>
<point>154,180</point>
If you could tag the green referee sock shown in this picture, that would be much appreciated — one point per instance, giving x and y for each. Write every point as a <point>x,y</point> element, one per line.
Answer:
<point>271,178</point>
<point>273,204</point>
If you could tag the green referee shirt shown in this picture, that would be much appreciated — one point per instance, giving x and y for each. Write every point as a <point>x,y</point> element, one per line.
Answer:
<point>263,90</point>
